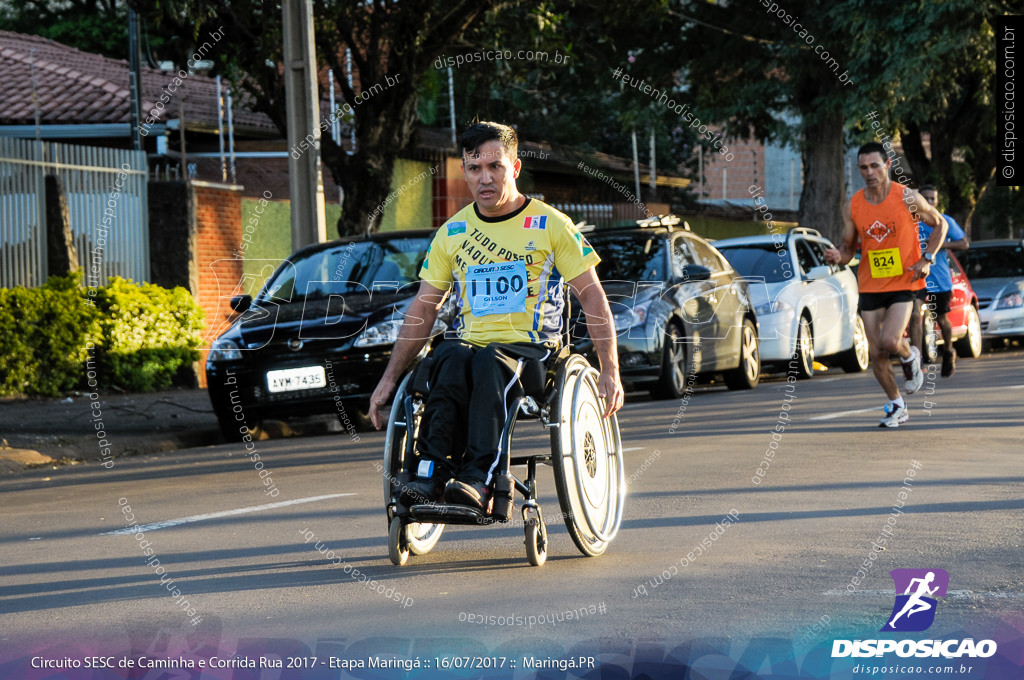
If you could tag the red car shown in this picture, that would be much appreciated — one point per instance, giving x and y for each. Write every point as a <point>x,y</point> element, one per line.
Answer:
<point>963,316</point>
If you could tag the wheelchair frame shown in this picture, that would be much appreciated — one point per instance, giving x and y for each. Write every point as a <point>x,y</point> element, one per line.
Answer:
<point>586,454</point>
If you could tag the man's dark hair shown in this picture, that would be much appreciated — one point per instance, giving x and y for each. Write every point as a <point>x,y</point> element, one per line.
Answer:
<point>927,187</point>
<point>483,132</point>
<point>872,147</point>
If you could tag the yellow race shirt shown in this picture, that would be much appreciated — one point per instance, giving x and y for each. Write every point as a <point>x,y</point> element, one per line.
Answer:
<point>508,271</point>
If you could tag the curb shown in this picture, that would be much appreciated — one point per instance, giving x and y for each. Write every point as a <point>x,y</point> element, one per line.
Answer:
<point>84,450</point>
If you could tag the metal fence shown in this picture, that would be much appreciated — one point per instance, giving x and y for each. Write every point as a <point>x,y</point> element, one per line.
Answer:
<point>600,213</point>
<point>106,194</point>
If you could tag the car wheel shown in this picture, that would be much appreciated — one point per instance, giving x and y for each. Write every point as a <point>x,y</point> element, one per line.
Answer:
<point>992,344</point>
<point>804,353</point>
<point>748,373</point>
<point>674,366</point>
<point>970,344</point>
<point>233,430</point>
<point>929,340</point>
<point>858,357</point>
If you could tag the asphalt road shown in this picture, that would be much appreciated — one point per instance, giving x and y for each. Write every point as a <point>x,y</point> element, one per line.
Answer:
<point>778,578</point>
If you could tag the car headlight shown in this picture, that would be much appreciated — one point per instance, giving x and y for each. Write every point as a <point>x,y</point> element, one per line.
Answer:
<point>386,333</point>
<point>224,349</point>
<point>1010,300</point>
<point>630,318</point>
<point>774,307</point>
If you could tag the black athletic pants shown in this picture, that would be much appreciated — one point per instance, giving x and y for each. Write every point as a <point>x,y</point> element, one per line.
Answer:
<point>471,390</point>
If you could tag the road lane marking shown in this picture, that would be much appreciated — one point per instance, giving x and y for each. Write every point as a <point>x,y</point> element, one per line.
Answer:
<point>950,594</point>
<point>215,515</point>
<point>634,448</point>
<point>840,414</point>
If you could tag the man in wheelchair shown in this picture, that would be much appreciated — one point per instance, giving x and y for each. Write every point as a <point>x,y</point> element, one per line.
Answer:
<point>507,256</point>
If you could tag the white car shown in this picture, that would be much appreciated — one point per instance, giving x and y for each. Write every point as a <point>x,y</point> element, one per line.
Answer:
<point>807,308</point>
<point>996,271</point>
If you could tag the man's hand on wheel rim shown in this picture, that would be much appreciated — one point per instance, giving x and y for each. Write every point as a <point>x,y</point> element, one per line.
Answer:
<point>609,388</point>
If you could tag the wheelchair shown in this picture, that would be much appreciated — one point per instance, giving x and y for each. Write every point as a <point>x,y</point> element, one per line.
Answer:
<point>586,456</point>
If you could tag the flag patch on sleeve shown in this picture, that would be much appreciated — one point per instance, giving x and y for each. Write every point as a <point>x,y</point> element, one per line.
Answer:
<point>536,222</point>
<point>456,228</point>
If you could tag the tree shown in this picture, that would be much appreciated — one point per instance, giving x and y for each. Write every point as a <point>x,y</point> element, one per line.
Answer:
<point>949,105</point>
<point>555,81</point>
<point>99,26</point>
<point>756,70</point>
<point>921,66</point>
<point>95,26</point>
<point>392,45</point>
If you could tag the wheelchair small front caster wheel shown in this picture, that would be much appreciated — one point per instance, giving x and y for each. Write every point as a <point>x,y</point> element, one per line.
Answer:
<point>398,545</point>
<point>536,542</point>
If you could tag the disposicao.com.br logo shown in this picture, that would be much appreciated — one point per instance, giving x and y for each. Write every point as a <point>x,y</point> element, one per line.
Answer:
<point>914,611</point>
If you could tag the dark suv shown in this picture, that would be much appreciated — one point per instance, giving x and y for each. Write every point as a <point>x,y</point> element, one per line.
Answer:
<point>679,307</point>
<point>317,337</point>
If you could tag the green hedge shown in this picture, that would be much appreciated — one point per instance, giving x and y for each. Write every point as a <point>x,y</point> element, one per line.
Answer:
<point>139,336</point>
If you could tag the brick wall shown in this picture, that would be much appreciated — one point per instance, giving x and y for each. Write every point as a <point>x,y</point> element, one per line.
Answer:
<point>218,220</point>
<point>745,169</point>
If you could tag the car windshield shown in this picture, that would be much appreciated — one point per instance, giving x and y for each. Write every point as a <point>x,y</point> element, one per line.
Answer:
<point>993,262</point>
<point>629,257</point>
<point>758,261</point>
<point>347,268</point>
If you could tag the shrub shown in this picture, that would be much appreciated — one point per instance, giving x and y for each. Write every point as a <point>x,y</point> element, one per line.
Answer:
<point>45,332</point>
<point>142,336</point>
<point>147,332</point>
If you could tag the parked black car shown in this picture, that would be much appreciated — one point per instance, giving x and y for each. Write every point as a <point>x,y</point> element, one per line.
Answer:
<point>679,308</point>
<point>317,337</point>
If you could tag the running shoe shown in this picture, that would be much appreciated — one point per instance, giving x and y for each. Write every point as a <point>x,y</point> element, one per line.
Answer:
<point>912,371</point>
<point>948,364</point>
<point>894,416</point>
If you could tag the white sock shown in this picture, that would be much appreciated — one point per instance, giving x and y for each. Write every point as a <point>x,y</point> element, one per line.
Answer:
<point>913,355</point>
<point>899,402</point>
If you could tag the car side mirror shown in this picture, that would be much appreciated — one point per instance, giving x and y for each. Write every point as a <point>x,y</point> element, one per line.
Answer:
<point>694,272</point>
<point>240,303</point>
<point>822,271</point>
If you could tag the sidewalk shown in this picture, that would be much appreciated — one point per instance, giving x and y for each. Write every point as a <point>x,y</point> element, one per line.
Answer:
<point>61,431</point>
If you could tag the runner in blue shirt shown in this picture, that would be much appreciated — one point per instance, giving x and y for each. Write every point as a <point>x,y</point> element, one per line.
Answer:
<point>939,286</point>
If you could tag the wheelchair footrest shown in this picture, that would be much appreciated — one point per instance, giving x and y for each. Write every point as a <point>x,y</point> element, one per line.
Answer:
<point>442,513</point>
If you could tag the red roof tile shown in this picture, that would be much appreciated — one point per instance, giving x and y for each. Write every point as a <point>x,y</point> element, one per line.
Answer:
<point>75,87</point>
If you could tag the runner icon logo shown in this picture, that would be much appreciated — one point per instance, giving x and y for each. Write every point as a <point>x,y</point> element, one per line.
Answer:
<point>914,610</point>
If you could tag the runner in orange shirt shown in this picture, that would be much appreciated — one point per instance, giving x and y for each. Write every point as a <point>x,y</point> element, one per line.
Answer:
<point>882,219</point>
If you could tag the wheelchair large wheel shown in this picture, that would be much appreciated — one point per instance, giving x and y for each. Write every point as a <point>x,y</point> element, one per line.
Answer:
<point>420,538</point>
<point>587,459</point>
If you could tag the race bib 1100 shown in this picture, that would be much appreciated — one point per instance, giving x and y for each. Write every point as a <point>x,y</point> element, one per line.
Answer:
<point>497,288</point>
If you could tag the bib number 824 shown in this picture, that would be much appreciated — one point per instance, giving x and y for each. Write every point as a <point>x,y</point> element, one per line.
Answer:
<point>883,262</point>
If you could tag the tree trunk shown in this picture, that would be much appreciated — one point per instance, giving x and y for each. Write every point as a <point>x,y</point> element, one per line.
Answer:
<point>386,129</point>
<point>824,190</point>
<point>61,255</point>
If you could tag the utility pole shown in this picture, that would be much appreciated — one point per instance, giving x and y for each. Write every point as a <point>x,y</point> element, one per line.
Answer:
<point>636,166</point>
<point>654,173</point>
<point>135,79</point>
<point>305,179</point>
